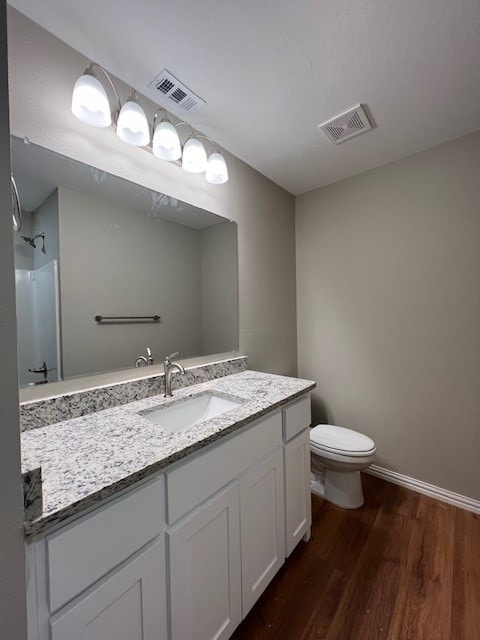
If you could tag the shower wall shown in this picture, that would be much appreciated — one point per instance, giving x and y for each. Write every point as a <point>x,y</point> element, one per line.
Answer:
<point>38,323</point>
<point>46,221</point>
<point>37,293</point>
<point>22,251</point>
<point>25,326</point>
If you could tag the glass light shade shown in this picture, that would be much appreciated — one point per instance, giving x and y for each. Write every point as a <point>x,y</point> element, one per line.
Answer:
<point>217,172</point>
<point>194,159</point>
<point>166,143</point>
<point>90,103</point>
<point>132,125</point>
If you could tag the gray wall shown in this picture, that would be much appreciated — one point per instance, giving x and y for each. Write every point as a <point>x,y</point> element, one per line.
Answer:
<point>219,299</point>
<point>388,287</point>
<point>45,220</point>
<point>23,252</point>
<point>43,71</point>
<point>12,574</point>
<point>115,260</point>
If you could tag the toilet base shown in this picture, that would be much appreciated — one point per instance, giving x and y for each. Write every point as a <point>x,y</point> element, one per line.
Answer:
<point>344,489</point>
<point>317,484</point>
<point>341,488</point>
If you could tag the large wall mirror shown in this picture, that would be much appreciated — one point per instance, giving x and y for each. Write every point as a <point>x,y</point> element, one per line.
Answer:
<point>161,273</point>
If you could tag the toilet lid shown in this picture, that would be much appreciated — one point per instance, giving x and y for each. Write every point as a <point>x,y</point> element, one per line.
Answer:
<point>340,439</point>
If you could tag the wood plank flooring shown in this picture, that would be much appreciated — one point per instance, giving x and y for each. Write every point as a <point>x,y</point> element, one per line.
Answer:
<point>403,567</point>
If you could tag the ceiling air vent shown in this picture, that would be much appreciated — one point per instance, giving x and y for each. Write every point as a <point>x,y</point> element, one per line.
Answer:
<point>170,91</point>
<point>347,125</point>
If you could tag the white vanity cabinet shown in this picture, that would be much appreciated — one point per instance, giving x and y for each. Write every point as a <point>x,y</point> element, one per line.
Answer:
<point>298,504</point>
<point>205,570</point>
<point>223,554</point>
<point>298,512</point>
<point>262,515</point>
<point>186,554</point>
<point>103,576</point>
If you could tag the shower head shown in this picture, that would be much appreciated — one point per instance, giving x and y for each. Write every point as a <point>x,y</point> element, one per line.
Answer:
<point>31,241</point>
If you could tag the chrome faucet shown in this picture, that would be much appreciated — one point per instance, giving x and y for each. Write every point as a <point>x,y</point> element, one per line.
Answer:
<point>169,367</point>
<point>143,361</point>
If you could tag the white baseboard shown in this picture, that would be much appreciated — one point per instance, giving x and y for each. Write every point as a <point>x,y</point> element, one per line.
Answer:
<point>464,502</point>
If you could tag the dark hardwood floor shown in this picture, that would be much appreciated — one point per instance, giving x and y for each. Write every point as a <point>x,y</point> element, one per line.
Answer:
<point>403,567</point>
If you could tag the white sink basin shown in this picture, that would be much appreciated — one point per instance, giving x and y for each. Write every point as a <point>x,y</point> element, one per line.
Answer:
<point>190,411</point>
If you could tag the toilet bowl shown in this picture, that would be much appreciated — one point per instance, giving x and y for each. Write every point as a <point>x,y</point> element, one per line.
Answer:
<point>338,456</point>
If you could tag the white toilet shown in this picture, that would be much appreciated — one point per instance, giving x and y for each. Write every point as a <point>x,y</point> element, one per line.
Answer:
<point>338,456</point>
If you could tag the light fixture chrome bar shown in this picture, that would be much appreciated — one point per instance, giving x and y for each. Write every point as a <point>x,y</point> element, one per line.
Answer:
<point>155,116</point>
<point>202,135</point>
<point>95,65</point>
<point>180,123</point>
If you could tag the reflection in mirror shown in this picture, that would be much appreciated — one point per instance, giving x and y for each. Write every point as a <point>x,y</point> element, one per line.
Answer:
<point>93,244</point>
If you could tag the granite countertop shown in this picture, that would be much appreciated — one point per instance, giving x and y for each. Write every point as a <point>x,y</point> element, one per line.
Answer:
<point>87,459</point>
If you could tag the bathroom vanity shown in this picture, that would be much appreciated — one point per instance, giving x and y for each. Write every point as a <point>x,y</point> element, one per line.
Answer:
<point>162,534</point>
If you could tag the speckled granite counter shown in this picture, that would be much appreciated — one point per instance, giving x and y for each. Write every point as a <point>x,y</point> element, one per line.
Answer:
<point>87,459</point>
<point>58,408</point>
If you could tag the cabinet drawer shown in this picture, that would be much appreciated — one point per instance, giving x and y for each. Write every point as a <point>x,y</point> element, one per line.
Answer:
<point>297,418</point>
<point>91,547</point>
<point>195,481</point>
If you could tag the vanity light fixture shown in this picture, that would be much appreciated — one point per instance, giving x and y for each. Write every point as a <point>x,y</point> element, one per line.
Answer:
<point>91,105</point>
<point>166,143</point>
<point>132,124</point>
<point>89,99</point>
<point>217,172</point>
<point>194,158</point>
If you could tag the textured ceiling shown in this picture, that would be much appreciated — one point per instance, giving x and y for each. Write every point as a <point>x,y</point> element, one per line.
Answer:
<point>272,70</point>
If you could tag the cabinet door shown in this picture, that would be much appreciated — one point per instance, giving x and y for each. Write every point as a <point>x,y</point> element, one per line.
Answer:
<point>130,605</point>
<point>263,526</point>
<point>298,506</point>
<point>205,571</point>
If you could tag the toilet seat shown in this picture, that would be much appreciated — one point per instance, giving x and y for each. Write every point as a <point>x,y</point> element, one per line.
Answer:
<point>327,438</point>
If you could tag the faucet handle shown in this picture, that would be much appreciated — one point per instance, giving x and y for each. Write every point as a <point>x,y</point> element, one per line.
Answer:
<point>149,356</point>
<point>172,355</point>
